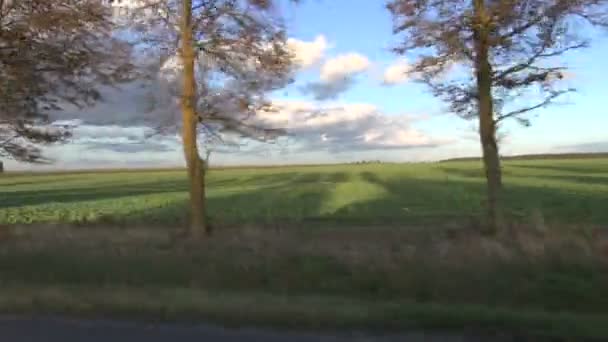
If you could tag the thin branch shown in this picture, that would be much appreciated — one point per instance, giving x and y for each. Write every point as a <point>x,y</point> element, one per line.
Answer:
<point>538,55</point>
<point>544,103</point>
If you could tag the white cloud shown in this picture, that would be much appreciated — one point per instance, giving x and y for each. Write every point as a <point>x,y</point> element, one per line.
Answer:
<point>83,131</point>
<point>587,147</point>
<point>307,54</point>
<point>397,73</point>
<point>128,139</point>
<point>337,76</point>
<point>115,131</point>
<point>153,102</point>
<point>124,105</point>
<point>328,90</point>
<point>337,129</point>
<point>345,127</point>
<point>401,71</point>
<point>344,65</point>
<point>81,156</point>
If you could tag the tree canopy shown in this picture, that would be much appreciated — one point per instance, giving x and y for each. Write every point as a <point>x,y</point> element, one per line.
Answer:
<point>52,54</point>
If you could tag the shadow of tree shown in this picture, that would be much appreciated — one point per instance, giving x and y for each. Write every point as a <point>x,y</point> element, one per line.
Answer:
<point>477,173</point>
<point>415,201</point>
<point>592,180</point>
<point>577,169</point>
<point>102,191</point>
<point>299,199</point>
<point>288,197</point>
<point>422,200</point>
<point>566,177</point>
<point>406,201</point>
<point>20,180</point>
<point>301,196</point>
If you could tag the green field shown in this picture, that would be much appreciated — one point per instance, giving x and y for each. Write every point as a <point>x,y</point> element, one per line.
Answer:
<point>565,191</point>
<point>380,246</point>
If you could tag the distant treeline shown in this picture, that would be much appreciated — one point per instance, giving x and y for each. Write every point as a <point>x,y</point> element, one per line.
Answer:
<point>538,157</point>
<point>361,162</point>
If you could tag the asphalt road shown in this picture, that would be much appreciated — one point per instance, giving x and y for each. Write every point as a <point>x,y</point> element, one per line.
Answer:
<point>14,329</point>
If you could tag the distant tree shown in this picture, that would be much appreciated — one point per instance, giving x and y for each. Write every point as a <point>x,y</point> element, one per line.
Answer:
<point>498,51</point>
<point>231,54</point>
<point>52,54</point>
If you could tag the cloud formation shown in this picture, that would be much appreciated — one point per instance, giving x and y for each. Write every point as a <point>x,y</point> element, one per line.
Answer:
<point>119,128</point>
<point>397,73</point>
<point>334,128</point>
<point>134,147</point>
<point>114,138</point>
<point>590,147</point>
<point>123,105</point>
<point>322,91</point>
<point>337,75</point>
<point>153,102</point>
<point>345,127</point>
<point>401,71</point>
<point>308,54</point>
<point>343,66</point>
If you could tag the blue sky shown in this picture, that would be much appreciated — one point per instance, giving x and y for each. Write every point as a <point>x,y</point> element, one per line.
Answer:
<point>365,27</point>
<point>418,127</point>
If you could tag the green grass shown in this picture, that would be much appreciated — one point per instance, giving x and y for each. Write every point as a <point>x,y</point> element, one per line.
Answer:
<point>321,246</point>
<point>566,191</point>
<point>377,278</point>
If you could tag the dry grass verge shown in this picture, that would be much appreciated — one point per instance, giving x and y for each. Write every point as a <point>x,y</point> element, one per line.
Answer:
<point>529,278</point>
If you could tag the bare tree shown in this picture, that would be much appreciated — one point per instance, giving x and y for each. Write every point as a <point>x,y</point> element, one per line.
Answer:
<point>231,54</point>
<point>52,54</point>
<point>481,55</point>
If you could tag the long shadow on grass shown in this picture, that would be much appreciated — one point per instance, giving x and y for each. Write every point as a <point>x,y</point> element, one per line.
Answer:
<point>100,192</point>
<point>289,198</point>
<point>412,201</point>
<point>299,198</point>
<point>295,196</point>
<point>477,173</point>
<point>570,178</point>
<point>259,180</point>
<point>24,181</point>
<point>586,168</point>
<point>117,189</point>
<point>591,180</point>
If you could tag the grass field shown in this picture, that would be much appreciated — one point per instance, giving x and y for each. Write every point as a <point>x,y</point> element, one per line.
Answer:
<point>363,246</point>
<point>565,191</point>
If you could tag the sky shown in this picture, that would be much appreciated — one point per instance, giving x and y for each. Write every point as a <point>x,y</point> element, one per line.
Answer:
<point>371,111</point>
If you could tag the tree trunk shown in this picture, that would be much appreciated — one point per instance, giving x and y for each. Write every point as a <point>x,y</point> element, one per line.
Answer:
<point>487,125</point>
<point>198,224</point>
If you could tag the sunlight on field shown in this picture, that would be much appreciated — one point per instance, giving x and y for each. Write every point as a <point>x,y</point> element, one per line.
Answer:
<point>569,191</point>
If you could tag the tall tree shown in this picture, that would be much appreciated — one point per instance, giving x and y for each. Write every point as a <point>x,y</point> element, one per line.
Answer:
<point>52,54</point>
<point>481,55</point>
<point>231,54</point>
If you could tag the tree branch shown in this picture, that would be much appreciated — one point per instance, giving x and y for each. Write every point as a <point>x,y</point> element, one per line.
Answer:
<point>547,101</point>
<point>529,63</point>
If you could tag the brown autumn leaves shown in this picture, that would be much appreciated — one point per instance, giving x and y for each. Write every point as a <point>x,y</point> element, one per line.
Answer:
<point>233,53</point>
<point>52,54</point>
